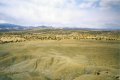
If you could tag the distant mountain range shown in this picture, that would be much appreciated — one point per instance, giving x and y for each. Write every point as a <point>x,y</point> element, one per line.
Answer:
<point>9,27</point>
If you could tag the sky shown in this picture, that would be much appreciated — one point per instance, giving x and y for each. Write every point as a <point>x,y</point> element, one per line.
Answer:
<point>62,13</point>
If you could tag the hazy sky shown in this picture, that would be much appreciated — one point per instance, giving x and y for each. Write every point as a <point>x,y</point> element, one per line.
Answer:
<point>76,13</point>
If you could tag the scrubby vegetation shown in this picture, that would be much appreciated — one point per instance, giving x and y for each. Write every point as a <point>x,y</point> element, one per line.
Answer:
<point>60,55</point>
<point>57,35</point>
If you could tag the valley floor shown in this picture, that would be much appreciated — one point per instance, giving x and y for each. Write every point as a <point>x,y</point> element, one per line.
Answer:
<point>60,60</point>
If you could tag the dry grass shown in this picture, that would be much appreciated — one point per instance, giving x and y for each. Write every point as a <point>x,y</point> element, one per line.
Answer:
<point>60,60</point>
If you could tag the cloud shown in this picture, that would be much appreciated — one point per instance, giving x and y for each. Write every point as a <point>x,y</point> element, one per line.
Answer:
<point>2,21</point>
<point>78,13</point>
<point>110,3</point>
<point>88,4</point>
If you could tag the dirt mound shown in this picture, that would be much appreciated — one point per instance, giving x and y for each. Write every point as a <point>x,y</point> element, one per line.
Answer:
<point>56,67</point>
